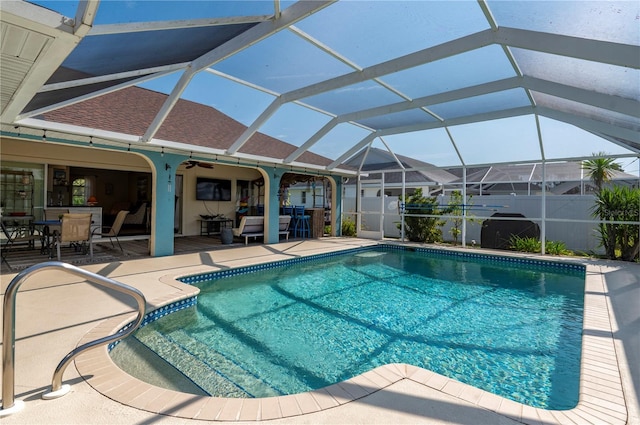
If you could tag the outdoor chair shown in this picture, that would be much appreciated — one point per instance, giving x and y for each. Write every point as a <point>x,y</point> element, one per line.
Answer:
<point>114,230</point>
<point>301,224</point>
<point>250,226</point>
<point>15,238</point>
<point>138,216</point>
<point>52,215</point>
<point>284,225</point>
<point>75,229</point>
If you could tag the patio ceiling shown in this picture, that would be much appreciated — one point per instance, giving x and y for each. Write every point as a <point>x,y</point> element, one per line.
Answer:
<point>347,74</point>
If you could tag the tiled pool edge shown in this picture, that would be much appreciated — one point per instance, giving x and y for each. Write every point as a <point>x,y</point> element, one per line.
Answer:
<point>444,253</point>
<point>601,396</point>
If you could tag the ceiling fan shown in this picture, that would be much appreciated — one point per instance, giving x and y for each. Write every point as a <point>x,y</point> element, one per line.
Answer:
<point>191,163</point>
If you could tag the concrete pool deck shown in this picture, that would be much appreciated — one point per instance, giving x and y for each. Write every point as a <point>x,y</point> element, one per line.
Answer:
<point>56,312</point>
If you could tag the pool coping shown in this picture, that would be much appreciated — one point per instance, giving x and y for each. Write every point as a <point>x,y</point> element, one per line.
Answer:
<point>601,394</point>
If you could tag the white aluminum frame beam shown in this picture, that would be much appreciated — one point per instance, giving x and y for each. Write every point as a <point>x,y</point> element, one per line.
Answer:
<point>110,29</point>
<point>289,16</point>
<point>62,35</point>
<point>594,126</point>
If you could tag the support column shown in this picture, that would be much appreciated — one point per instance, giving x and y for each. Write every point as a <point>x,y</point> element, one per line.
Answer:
<point>163,202</point>
<point>464,206</point>
<point>358,206</point>
<point>336,206</point>
<point>403,203</point>
<point>272,205</point>
<point>543,206</point>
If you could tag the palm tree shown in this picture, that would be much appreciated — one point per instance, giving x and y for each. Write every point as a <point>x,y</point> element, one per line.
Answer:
<point>600,169</point>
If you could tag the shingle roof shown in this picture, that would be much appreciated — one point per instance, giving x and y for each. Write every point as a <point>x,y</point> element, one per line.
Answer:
<point>131,111</point>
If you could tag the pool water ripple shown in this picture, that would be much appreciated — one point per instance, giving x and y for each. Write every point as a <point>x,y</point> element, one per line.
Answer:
<point>511,330</point>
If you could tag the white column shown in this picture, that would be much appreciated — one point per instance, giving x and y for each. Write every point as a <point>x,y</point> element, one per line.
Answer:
<point>464,206</point>
<point>382,206</point>
<point>543,224</point>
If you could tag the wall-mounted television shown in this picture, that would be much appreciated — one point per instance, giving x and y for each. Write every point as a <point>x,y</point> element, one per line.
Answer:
<point>213,189</point>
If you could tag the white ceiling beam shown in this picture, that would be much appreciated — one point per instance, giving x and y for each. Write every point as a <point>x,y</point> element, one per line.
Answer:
<point>255,125</point>
<point>481,89</point>
<point>635,147</point>
<point>594,126</point>
<point>486,116</point>
<point>60,40</point>
<point>613,103</point>
<point>355,148</point>
<point>574,47</point>
<point>90,95</point>
<point>110,77</point>
<point>502,35</point>
<point>395,158</point>
<point>605,101</point>
<point>431,54</point>
<point>312,140</point>
<point>85,15</point>
<point>478,90</point>
<point>289,16</point>
<point>110,29</point>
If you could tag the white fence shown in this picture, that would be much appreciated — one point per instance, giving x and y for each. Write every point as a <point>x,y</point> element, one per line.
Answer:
<point>565,216</point>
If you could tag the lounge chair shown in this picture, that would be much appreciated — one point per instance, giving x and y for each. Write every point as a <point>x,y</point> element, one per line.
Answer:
<point>250,226</point>
<point>283,227</point>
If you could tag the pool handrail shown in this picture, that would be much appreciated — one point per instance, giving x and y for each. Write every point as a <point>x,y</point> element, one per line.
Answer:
<point>8,330</point>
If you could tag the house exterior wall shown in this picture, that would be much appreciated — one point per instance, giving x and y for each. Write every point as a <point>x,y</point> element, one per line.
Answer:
<point>103,160</point>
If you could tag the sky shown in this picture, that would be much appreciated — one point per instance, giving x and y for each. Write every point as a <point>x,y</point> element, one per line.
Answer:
<point>293,123</point>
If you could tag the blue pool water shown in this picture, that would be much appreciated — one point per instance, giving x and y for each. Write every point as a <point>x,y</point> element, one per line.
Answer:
<point>509,328</point>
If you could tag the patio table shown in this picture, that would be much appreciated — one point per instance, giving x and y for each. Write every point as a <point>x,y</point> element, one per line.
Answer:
<point>46,234</point>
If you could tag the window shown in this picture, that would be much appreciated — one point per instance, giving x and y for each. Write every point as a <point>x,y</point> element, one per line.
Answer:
<point>303,197</point>
<point>80,191</point>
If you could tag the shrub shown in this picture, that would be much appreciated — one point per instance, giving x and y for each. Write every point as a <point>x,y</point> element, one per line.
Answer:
<point>526,244</point>
<point>348,227</point>
<point>620,241</point>
<point>530,244</point>
<point>422,229</point>
<point>556,248</point>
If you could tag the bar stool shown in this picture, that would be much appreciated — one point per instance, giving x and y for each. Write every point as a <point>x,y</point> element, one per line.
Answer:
<point>301,227</point>
<point>288,210</point>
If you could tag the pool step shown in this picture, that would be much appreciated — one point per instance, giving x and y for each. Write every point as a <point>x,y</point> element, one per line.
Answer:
<point>206,367</point>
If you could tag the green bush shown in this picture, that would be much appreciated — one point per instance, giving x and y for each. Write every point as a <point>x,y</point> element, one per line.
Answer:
<point>556,248</point>
<point>527,244</point>
<point>348,227</point>
<point>619,203</point>
<point>530,244</point>
<point>422,229</point>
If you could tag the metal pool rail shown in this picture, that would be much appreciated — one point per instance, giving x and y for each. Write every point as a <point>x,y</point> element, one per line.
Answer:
<point>9,404</point>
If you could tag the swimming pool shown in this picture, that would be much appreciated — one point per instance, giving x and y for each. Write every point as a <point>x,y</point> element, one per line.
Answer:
<point>511,327</point>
